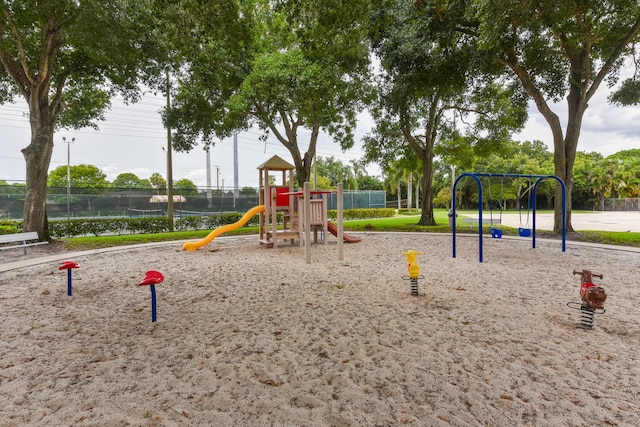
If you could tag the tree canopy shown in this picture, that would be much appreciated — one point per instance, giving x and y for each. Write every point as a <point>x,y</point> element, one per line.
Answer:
<point>87,179</point>
<point>130,180</point>
<point>436,89</point>
<point>300,65</point>
<point>67,59</point>
<point>559,50</point>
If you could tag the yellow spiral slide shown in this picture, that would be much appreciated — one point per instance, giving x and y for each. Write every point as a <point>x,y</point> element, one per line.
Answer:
<point>192,246</point>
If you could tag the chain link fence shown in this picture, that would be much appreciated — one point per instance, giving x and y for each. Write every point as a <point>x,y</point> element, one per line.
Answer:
<point>624,205</point>
<point>133,202</point>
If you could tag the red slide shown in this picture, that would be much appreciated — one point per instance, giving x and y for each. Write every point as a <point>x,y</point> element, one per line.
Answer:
<point>347,238</point>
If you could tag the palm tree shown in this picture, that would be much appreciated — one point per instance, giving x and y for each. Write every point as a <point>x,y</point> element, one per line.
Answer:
<point>401,170</point>
<point>358,171</point>
<point>395,177</point>
<point>602,179</point>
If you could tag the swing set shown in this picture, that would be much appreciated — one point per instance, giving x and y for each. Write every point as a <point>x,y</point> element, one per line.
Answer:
<point>523,230</point>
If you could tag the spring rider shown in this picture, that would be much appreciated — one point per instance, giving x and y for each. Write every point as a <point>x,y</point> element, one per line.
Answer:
<point>593,298</point>
<point>414,270</point>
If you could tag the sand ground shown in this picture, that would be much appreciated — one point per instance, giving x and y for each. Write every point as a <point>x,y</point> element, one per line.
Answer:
<point>250,336</point>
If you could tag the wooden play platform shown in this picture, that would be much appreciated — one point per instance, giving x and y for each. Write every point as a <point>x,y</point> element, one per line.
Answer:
<point>283,200</point>
<point>303,211</point>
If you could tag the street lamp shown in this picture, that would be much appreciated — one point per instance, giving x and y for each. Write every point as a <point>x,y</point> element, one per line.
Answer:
<point>64,139</point>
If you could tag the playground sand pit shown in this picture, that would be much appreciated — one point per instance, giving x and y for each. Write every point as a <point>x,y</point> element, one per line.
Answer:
<point>247,336</point>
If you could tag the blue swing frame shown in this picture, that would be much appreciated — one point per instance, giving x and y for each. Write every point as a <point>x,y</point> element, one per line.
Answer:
<point>540,178</point>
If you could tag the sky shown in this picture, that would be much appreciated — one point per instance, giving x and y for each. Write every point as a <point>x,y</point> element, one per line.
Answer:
<point>132,139</point>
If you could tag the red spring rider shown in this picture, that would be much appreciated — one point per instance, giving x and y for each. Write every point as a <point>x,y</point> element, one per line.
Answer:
<point>592,295</point>
<point>593,298</point>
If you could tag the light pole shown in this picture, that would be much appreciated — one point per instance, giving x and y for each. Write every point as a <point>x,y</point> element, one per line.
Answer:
<point>218,186</point>
<point>64,139</point>
<point>207,149</point>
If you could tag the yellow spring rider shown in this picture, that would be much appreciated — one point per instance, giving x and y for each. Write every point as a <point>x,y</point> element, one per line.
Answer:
<point>414,269</point>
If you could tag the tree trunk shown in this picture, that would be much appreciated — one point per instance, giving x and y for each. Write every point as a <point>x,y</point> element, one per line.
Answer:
<point>564,148</point>
<point>577,105</point>
<point>290,142</point>
<point>410,192</point>
<point>426,217</point>
<point>37,158</point>
<point>303,166</point>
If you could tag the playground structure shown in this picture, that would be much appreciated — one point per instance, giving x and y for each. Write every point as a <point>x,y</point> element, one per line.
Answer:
<point>413,269</point>
<point>592,296</point>
<point>277,199</point>
<point>302,212</point>
<point>497,233</point>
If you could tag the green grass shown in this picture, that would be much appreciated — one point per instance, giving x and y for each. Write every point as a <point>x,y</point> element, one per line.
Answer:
<point>92,242</point>
<point>400,223</point>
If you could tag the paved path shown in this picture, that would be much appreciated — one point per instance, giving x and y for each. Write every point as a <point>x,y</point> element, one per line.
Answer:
<point>602,221</point>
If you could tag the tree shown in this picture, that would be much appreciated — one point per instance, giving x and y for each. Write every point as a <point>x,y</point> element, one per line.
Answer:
<point>629,91</point>
<point>626,173</point>
<point>335,171</point>
<point>186,187</point>
<point>368,182</point>
<point>630,176</point>
<point>87,179</point>
<point>394,178</point>
<point>129,180</point>
<point>402,170</point>
<point>15,188</point>
<point>248,191</point>
<point>66,59</point>
<point>559,49</point>
<point>602,178</point>
<point>358,172</point>
<point>583,188</point>
<point>302,67</point>
<point>435,89</point>
<point>158,182</point>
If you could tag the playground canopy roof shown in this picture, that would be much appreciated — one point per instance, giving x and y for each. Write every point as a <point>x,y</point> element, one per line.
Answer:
<point>276,163</point>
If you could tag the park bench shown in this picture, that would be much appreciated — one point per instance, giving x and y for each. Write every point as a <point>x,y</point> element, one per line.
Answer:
<point>474,221</point>
<point>24,239</point>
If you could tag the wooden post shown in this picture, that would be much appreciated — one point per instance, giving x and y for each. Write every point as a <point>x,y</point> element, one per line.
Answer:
<point>305,222</point>
<point>274,219</point>
<point>262,200</point>
<point>339,205</point>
